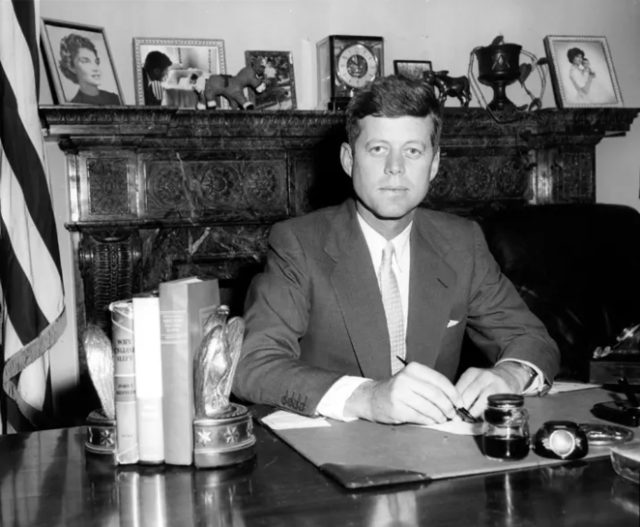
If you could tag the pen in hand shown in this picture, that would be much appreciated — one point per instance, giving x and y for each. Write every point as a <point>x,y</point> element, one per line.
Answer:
<point>461,411</point>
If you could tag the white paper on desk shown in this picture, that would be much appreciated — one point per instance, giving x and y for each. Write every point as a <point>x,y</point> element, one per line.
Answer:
<point>282,420</point>
<point>458,427</point>
<point>560,387</point>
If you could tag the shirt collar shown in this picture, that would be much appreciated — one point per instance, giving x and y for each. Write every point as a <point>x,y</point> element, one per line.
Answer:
<point>376,242</point>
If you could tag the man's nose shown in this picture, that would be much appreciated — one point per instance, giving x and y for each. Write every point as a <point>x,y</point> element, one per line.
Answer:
<point>395,164</point>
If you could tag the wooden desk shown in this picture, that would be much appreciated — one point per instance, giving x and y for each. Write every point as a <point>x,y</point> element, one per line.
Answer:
<point>46,480</point>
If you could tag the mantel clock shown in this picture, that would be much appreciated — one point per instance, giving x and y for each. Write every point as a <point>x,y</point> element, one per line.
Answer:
<point>345,65</point>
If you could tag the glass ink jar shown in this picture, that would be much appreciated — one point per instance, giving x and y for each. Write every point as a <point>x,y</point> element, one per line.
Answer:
<point>506,428</point>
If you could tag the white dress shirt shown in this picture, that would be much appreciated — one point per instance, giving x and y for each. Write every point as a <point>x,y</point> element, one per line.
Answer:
<point>333,402</point>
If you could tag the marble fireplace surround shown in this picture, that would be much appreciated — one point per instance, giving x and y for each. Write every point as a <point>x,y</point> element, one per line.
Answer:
<point>160,193</point>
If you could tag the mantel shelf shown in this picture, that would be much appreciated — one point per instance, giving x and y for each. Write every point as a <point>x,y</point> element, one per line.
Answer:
<point>141,126</point>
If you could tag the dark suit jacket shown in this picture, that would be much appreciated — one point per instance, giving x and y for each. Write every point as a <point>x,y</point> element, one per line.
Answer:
<point>316,314</point>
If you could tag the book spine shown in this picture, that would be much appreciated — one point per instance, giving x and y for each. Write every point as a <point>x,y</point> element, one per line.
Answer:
<point>176,375</point>
<point>149,392</point>
<point>184,307</point>
<point>125,382</point>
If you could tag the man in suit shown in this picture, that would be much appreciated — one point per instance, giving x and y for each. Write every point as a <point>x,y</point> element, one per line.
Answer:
<point>351,293</point>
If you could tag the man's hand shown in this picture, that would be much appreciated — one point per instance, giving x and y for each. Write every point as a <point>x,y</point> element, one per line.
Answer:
<point>416,394</point>
<point>476,384</point>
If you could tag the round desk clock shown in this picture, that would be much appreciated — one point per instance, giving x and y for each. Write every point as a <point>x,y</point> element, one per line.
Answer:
<point>345,65</point>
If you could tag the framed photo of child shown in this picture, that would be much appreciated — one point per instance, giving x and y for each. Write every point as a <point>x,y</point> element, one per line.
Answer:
<point>164,68</point>
<point>277,70</point>
<point>582,72</point>
<point>79,65</point>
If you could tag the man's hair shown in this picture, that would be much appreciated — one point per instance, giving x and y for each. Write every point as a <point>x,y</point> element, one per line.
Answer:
<point>573,53</point>
<point>69,48</point>
<point>156,61</point>
<point>394,96</point>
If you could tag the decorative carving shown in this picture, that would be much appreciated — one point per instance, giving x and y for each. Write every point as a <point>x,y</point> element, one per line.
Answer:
<point>573,176</point>
<point>492,180</point>
<point>109,268</point>
<point>107,186</point>
<point>226,189</point>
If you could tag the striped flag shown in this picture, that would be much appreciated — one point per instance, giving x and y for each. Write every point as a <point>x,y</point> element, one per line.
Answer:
<point>33,313</point>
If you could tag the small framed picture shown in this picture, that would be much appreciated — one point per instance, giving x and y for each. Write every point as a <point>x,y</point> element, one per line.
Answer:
<point>165,69</point>
<point>79,64</point>
<point>413,69</point>
<point>582,72</point>
<point>277,69</point>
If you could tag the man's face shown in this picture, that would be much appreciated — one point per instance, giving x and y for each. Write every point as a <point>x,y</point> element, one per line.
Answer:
<point>391,164</point>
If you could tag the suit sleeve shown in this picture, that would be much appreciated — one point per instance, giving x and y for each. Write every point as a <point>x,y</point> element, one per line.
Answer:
<point>499,322</point>
<point>277,315</point>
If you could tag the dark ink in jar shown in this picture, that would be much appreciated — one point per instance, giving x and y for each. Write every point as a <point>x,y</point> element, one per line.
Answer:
<point>506,429</point>
<point>503,448</point>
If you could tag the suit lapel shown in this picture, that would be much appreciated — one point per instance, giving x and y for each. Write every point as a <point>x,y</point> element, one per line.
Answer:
<point>431,285</point>
<point>356,287</point>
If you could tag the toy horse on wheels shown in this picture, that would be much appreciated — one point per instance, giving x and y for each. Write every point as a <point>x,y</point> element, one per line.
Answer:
<point>229,87</point>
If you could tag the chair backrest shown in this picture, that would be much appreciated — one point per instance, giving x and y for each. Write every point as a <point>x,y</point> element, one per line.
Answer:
<point>577,266</point>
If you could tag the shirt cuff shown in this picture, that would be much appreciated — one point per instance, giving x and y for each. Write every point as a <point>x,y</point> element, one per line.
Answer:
<point>332,404</point>
<point>537,385</point>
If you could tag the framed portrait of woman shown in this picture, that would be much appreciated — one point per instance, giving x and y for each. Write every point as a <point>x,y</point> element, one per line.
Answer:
<point>582,72</point>
<point>79,64</point>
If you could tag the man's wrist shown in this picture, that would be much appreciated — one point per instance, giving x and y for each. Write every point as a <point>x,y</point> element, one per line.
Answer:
<point>516,374</point>
<point>358,405</point>
<point>333,401</point>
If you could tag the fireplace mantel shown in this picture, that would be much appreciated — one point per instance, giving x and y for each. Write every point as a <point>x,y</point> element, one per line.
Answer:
<point>157,193</point>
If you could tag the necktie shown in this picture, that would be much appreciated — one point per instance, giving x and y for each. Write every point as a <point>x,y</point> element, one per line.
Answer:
<point>392,308</point>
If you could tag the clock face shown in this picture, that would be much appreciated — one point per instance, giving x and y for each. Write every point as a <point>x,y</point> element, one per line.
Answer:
<point>356,65</point>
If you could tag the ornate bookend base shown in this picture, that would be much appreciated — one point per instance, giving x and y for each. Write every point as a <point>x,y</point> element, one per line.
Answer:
<point>223,440</point>
<point>101,435</point>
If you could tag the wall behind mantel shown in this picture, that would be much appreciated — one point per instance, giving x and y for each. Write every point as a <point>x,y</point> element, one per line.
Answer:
<point>443,31</point>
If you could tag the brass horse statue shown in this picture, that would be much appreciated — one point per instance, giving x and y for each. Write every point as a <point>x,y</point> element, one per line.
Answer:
<point>229,87</point>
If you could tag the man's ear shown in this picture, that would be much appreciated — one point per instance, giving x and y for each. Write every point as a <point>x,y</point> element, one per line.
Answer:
<point>435,164</point>
<point>346,158</point>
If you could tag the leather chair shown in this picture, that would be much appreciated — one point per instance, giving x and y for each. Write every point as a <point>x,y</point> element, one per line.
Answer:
<point>577,266</point>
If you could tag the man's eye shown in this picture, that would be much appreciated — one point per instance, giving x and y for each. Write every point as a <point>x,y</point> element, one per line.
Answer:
<point>376,149</point>
<point>414,152</point>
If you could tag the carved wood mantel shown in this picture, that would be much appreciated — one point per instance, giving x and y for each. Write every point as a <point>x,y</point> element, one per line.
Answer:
<point>159,193</point>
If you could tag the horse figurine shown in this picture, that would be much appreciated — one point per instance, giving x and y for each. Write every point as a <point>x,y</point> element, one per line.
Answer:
<point>449,86</point>
<point>231,88</point>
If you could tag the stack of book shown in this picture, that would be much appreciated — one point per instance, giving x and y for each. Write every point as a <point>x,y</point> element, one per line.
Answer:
<point>154,339</point>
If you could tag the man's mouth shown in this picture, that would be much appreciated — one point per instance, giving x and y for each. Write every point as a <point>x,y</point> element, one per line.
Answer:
<point>393,189</point>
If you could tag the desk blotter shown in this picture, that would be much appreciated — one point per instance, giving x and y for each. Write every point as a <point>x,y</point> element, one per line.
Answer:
<point>363,454</point>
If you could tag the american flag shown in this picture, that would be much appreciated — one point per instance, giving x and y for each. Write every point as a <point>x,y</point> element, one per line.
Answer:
<point>33,314</point>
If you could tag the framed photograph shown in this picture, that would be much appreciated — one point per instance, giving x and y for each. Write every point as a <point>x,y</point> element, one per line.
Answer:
<point>411,68</point>
<point>582,72</point>
<point>79,64</point>
<point>277,68</point>
<point>164,68</point>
